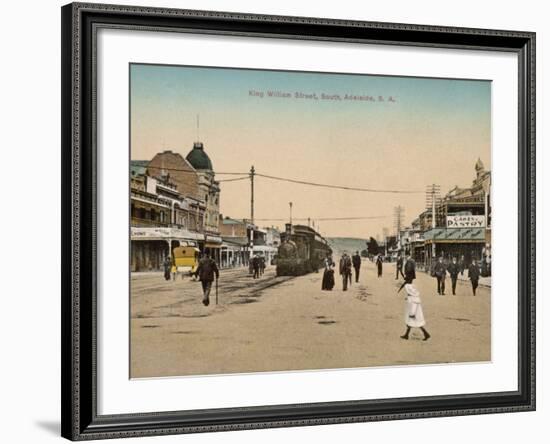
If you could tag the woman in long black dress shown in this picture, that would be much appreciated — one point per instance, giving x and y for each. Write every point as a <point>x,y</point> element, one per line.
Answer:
<point>328,274</point>
<point>379,265</point>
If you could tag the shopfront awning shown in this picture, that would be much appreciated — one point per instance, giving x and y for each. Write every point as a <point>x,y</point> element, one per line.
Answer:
<point>455,235</point>
<point>163,233</point>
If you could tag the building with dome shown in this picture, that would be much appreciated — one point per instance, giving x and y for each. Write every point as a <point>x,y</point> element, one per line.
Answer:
<point>174,202</point>
<point>208,187</point>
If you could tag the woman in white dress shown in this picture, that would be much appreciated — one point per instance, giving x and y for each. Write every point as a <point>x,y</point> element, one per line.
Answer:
<point>414,316</point>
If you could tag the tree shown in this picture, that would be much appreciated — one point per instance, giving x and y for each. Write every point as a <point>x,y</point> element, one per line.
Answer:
<point>372,246</point>
<point>364,253</point>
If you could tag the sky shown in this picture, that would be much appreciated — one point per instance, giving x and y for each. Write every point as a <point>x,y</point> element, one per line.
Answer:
<point>405,134</point>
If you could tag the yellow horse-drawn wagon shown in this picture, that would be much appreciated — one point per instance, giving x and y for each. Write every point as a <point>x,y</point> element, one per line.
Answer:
<point>185,260</point>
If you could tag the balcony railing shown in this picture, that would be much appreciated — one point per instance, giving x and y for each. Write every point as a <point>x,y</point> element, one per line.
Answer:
<point>138,222</point>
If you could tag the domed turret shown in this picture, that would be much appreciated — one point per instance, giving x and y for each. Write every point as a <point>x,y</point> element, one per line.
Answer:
<point>198,158</point>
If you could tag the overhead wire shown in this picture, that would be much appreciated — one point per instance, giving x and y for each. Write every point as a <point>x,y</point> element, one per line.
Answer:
<point>297,181</point>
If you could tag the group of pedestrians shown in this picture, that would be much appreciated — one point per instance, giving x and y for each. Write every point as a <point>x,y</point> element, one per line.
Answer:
<point>345,266</point>
<point>258,266</point>
<point>440,269</point>
<point>208,272</point>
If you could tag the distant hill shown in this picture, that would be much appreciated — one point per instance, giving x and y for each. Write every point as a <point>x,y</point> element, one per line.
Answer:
<point>349,244</point>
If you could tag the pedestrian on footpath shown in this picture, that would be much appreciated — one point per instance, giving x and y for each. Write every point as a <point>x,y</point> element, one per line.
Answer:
<point>167,264</point>
<point>328,274</point>
<point>356,259</point>
<point>399,267</point>
<point>410,269</point>
<point>473,275</point>
<point>206,271</point>
<point>345,270</point>
<point>379,264</point>
<point>453,270</point>
<point>414,315</point>
<point>440,273</point>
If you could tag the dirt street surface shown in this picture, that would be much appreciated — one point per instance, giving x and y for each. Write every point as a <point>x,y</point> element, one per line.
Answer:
<point>288,323</point>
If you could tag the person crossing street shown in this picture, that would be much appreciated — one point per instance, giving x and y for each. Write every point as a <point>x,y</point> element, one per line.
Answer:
<point>414,315</point>
<point>379,262</point>
<point>207,271</point>
<point>256,266</point>
<point>410,269</point>
<point>356,260</point>
<point>453,270</point>
<point>345,270</point>
<point>440,273</point>
<point>399,267</point>
<point>473,275</point>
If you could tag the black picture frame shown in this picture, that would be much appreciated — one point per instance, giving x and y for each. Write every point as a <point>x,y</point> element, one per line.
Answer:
<point>80,420</point>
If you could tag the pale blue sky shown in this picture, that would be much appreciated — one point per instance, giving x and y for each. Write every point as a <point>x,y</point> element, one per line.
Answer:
<point>433,132</point>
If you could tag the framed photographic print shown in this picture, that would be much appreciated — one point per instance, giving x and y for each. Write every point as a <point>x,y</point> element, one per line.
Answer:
<point>279,221</point>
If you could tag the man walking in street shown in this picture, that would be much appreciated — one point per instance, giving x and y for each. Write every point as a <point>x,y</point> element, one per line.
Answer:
<point>410,269</point>
<point>379,265</point>
<point>473,275</point>
<point>256,266</point>
<point>356,260</point>
<point>206,271</point>
<point>262,265</point>
<point>345,270</point>
<point>454,269</point>
<point>440,273</point>
<point>167,264</point>
<point>399,267</point>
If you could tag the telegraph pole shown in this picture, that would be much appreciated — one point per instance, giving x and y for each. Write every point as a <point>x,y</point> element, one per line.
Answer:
<point>251,244</point>
<point>398,219</point>
<point>252,174</point>
<point>398,222</point>
<point>385,234</point>
<point>432,196</point>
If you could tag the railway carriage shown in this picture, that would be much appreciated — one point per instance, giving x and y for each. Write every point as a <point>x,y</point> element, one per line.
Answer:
<point>302,251</point>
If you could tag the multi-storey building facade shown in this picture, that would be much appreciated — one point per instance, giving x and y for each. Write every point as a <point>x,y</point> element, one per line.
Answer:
<point>161,218</point>
<point>463,221</point>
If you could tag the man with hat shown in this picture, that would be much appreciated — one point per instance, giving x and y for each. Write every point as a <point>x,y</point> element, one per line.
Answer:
<point>206,271</point>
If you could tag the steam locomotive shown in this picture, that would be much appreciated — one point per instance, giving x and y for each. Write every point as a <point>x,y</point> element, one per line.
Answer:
<point>302,251</point>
